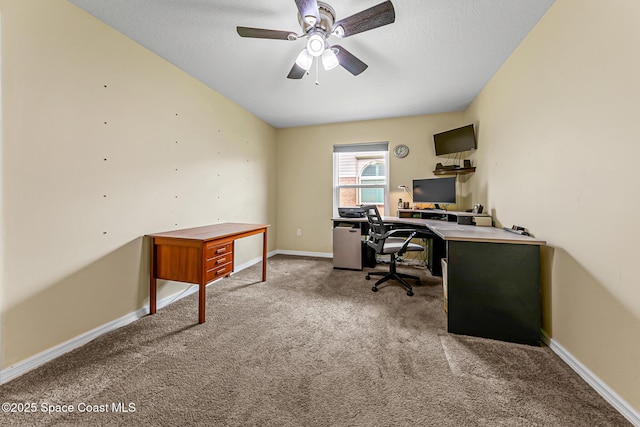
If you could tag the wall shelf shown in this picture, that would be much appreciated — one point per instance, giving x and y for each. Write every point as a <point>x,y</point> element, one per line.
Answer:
<point>456,171</point>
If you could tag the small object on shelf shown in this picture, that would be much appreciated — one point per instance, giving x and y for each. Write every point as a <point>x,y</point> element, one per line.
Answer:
<point>517,230</point>
<point>483,221</point>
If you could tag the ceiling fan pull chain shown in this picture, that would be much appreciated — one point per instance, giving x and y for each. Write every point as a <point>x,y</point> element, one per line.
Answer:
<point>317,73</point>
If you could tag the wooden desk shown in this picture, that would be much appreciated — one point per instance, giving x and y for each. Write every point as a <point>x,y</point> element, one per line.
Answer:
<point>199,256</point>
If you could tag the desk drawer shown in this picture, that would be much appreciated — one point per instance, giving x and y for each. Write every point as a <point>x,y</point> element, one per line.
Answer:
<point>218,261</point>
<point>217,272</point>
<point>214,249</point>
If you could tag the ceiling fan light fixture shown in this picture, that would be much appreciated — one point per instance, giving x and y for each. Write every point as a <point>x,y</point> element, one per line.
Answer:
<point>318,22</point>
<point>315,45</point>
<point>329,59</point>
<point>304,59</point>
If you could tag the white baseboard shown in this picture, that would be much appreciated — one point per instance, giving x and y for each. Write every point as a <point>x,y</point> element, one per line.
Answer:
<point>596,383</point>
<point>48,355</point>
<point>302,253</point>
<point>254,261</point>
<point>41,358</point>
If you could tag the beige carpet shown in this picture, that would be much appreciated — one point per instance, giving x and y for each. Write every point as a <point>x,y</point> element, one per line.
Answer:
<point>312,346</point>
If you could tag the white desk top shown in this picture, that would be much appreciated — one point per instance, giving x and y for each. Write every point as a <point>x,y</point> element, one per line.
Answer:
<point>452,231</point>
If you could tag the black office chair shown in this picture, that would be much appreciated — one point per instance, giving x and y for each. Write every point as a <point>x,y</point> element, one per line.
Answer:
<point>387,242</point>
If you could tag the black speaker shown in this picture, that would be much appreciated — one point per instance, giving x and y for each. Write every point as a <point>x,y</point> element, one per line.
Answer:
<point>467,163</point>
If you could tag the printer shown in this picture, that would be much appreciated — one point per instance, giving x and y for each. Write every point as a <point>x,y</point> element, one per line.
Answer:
<point>351,212</point>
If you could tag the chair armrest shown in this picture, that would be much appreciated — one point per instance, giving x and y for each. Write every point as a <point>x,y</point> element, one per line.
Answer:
<point>410,235</point>
<point>412,232</point>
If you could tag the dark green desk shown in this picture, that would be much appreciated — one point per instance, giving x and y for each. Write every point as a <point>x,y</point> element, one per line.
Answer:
<point>492,278</point>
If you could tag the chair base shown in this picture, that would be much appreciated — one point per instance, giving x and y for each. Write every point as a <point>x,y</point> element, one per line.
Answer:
<point>392,274</point>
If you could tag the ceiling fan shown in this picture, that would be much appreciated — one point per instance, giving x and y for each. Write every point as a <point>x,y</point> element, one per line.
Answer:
<point>318,22</point>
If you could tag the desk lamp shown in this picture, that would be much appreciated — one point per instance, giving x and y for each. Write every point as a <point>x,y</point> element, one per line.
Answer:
<point>404,188</point>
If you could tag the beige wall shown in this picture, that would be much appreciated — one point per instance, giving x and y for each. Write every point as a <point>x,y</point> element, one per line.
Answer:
<point>102,143</point>
<point>558,153</point>
<point>305,170</point>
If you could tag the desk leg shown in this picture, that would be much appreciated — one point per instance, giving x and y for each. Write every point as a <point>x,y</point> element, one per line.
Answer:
<point>202,299</point>
<point>152,279</point>
<point>264,256</point>
<point>438,251</point>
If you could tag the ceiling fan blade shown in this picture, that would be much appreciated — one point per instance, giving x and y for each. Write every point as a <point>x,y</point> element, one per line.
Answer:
<point>368,19</point>
<point>348,61</point>
<point>297,72</point>
<point>308,8</point>
<point>261,33</point>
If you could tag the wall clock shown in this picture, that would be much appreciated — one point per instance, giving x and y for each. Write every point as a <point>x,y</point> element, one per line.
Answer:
<point>400,151</point>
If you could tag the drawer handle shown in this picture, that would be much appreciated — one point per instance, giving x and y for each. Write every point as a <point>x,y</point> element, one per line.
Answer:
<point>219,272</point>
<point>221,250</point>
<point>221,261</point>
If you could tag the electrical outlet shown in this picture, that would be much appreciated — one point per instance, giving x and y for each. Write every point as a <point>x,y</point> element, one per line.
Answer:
<point>299,232</point>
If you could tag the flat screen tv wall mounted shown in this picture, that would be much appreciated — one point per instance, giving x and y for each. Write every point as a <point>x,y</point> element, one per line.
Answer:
<point>455,140</point>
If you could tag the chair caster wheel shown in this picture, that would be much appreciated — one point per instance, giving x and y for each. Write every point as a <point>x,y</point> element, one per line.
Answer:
<point>374,289</point>
<point>368,277</point>
<point>410,293</point>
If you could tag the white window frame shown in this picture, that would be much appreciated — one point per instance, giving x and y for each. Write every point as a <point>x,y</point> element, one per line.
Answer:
<point>358,148</point>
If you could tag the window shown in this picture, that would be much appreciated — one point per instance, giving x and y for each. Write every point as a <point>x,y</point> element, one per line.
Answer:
<point>373,173</point>
<point>361,175</point>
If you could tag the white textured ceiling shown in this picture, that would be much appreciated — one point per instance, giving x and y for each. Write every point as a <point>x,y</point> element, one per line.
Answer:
<point>435,58</point>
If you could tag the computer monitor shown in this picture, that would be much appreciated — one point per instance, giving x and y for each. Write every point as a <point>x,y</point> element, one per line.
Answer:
<point>435,191</point>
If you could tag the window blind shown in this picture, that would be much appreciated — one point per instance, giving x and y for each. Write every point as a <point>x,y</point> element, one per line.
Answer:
<point>358,148</point>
